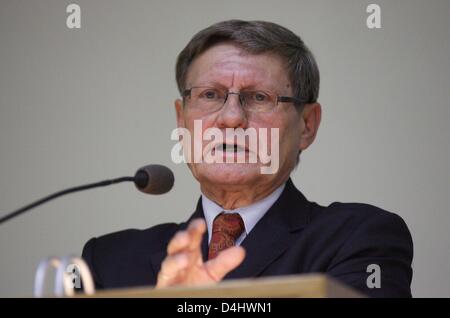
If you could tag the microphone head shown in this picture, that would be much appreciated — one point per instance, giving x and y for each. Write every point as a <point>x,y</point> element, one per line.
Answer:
<point>154,179</point>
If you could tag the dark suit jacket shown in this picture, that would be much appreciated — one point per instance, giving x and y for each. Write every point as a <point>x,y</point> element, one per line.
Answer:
<point>295,236</point>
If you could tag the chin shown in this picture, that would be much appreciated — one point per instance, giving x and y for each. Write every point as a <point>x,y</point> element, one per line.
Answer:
<point>228,174</point>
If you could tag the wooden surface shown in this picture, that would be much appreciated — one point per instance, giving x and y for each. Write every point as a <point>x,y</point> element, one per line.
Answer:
<point>310,285</point>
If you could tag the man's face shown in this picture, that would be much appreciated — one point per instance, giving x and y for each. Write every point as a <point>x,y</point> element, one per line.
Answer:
<point>227,66</point>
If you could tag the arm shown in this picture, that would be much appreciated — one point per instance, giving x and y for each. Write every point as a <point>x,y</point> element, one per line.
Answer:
<point>382,239</point>
<point>88,256</point>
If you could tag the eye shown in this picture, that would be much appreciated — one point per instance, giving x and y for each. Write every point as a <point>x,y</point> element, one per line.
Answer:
<point>210,94</point>
<point>260,97</point>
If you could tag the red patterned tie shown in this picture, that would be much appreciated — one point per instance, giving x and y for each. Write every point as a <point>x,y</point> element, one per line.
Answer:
<point>226,229</point>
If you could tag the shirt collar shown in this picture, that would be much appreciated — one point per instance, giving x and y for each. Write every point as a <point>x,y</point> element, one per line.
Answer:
<point>250,214</point>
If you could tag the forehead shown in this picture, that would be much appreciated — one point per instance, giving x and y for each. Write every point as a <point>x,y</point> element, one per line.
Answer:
<point>228,65</point>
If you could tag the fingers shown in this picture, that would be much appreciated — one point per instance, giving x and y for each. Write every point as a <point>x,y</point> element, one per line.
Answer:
<point>171,270</point>
<point>226,261</point>
<point>179,242</point>
<point>196,229</point>
<point>189,239</point>
<point>183,252</point>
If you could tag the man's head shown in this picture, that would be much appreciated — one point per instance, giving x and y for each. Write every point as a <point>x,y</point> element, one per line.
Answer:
<point>257,57</point>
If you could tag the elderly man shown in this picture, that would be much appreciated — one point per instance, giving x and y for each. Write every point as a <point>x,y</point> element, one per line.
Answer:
<point>240,74</point>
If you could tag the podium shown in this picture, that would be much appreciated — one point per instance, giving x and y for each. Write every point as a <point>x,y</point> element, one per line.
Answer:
<point>297,286</point>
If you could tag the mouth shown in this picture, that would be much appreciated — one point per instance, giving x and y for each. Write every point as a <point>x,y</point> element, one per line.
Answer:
<point>234,151</point>
<point>230,148</point>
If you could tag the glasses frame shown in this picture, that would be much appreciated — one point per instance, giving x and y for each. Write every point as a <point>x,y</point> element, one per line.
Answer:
<point>279,98</point>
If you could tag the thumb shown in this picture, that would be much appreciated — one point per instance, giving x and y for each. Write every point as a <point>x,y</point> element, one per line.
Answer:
<point>226,261</point>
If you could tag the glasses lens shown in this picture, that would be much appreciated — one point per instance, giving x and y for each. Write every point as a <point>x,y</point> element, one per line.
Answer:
<point>207,98</point>
<point>210,99</point>
<point>258,101</point>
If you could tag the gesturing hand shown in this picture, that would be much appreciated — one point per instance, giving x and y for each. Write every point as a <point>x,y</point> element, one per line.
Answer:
<point>184,265</point>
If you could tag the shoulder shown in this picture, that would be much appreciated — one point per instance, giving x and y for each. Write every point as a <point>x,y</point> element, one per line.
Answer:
<point>131,239</point>
<point>354,215</point>
<point>128,245</point>
<point>359,230</point>
<point>354,227</point>
<point>134,236</point>
<point>340,217</point>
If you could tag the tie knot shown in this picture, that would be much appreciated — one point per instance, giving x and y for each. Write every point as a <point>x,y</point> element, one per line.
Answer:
<point>226,229</point>
<point>230,224</point>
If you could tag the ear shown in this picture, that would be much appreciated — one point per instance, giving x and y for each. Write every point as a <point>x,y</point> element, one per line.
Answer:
<point>179,109</point>
<point>311,116</point>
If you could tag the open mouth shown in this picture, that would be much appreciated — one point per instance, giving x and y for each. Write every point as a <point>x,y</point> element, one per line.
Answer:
<point>230,148</point>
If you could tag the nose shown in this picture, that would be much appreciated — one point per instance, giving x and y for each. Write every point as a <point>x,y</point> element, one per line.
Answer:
<point>232,114</point>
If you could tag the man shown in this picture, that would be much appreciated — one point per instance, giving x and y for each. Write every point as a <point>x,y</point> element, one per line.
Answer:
<point>254,75</point>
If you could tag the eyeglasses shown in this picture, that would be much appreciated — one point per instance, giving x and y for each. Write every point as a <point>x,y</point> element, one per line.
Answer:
<point>211,99</point>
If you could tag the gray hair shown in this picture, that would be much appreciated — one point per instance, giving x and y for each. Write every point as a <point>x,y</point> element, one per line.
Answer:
<point>257,37</point>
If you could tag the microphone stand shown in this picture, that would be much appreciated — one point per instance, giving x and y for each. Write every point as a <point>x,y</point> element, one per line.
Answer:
<point>64,192</point>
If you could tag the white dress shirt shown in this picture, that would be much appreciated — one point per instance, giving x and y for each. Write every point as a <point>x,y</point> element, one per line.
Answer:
<point>250,214</point>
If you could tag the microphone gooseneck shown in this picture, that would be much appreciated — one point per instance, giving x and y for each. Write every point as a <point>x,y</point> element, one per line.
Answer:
<point>150,179</point>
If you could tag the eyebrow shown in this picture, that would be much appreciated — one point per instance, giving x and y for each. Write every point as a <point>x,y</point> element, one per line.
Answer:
<point>216,84</point>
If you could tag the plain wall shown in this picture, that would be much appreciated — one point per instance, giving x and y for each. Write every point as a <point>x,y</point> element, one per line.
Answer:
<point>78,106</point>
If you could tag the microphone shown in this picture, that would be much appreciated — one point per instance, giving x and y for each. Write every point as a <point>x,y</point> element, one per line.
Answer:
<point>150,179</point>
<point>154,179</point>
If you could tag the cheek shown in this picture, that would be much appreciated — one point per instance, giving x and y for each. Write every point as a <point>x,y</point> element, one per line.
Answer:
<point>191,117</point>
<point>289,128</point>
<point>197,125</point>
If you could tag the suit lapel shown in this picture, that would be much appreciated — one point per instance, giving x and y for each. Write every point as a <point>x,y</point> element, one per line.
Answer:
<point>272,235</point>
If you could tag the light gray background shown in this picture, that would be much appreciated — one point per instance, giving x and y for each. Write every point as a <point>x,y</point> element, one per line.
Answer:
<point>82,105</point>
